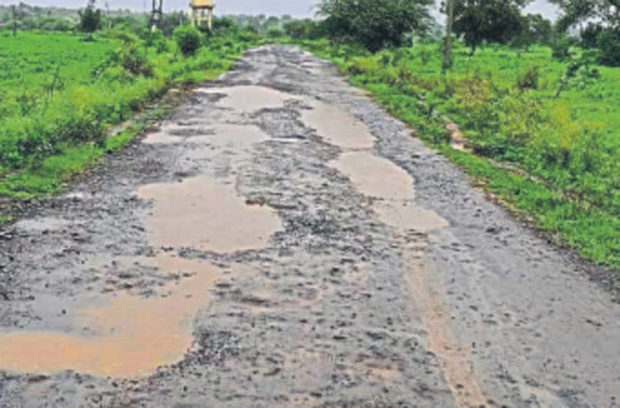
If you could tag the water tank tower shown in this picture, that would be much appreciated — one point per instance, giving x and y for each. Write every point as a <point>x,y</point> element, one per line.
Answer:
<point>201,11</point>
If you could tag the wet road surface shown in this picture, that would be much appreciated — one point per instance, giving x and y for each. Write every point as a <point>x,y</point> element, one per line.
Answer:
<point>280,241</point>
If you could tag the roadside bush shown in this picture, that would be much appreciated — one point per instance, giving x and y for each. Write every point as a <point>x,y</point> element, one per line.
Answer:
<point>275,32</point>
<point>560,48</point>
<point>529,80</point>
<point>302,29</point>
<point>188,39</point>
<point>609,43</point>
<point>134,60</point>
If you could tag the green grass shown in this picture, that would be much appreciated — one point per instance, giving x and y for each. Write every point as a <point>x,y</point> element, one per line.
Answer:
<point>59,96</point>
<point>555,160</point>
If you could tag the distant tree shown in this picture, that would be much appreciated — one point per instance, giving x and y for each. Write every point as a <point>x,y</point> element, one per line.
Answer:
<point>599,25</point>
<point>90,18</point>
<point>302,29</point>
<point>170,21</point>
<point>535,29</point>
<point>488,20</point>
<point>374,24</point>
<point>575,13</point>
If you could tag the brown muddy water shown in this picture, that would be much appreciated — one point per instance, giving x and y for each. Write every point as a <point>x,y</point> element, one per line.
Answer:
<point>132,335</point>
<point>250,98</point>
<point>391,189</point>
<point>203,214</point>
<point>338,127</point>
<point>392,194</point>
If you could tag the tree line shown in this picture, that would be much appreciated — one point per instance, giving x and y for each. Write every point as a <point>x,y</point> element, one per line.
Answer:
<point>391,23</point>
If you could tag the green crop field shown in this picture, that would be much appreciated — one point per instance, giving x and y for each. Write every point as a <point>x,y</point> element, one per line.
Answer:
<point>61,92</point>
<point>546,142</point>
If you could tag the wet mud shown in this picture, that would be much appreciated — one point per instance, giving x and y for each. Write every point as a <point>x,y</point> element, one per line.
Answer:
<point>280,241</point>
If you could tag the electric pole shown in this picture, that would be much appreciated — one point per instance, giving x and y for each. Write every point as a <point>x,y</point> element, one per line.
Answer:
<point>156,14</point>
<point>13,13</point>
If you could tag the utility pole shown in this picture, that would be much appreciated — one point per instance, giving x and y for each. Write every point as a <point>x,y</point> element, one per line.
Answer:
<point>156,14</point>
<point>107,8</point>
<point>447,41</point>
<point>13,13</point>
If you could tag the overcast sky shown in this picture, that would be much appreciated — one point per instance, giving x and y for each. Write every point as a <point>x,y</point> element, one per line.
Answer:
<point>296,8</point>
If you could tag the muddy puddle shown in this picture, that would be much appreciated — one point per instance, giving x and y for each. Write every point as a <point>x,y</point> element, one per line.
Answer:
<point>250,98</point>
<point>130,336</point>
<point>338,127</point>
<point>203,214</point>
<point>225,135</point>
<point>231,136</point>
<point>393,193</point>
<point>392,189</point>
<point>126,336</point>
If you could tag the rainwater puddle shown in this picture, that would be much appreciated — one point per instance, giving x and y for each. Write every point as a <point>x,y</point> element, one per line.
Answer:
<point>338,127</point>
<point>250,98</point>
<point>237,137</point>
<point>132,335</point>
<point>206,215</point>
<point>393,188</point>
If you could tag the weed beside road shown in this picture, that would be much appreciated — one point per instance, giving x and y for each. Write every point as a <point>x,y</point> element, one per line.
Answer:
<point>60,94</point>
<point>544,134</point>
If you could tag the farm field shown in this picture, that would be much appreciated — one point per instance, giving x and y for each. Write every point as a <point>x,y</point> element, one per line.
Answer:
<point>62,91</point>
<point>547,144</point>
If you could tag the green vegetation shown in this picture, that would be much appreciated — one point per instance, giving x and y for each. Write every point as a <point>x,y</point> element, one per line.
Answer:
<point>540,115</point>
<point>556,158</point>
<point>373,24</point>
<point>60,93</point>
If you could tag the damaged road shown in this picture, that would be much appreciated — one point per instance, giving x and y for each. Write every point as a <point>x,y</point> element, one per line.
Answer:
<point>280,241</point>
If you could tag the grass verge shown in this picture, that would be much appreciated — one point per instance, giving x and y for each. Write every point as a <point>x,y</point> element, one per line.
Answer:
<point>555,187</point>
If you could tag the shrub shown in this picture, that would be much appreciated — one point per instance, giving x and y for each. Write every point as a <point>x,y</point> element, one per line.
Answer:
<point>275,32</point>
<point>134,60</point>
<point>529,80</point>
<point>609,44</point>
<point>560,48</point>
<point>188,39</point>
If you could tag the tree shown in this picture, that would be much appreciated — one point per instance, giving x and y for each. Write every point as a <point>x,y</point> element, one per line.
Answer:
<point>374,24</point>
<point>90,18</point>
<point>447,42</point>
<point>577,12</point>
<point>603,25</point>
<point>302,29</point>
<point>488,20</point>
<point>534,30</point>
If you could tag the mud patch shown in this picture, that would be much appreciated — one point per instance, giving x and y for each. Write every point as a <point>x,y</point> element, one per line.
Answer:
<point>232,136</point>
<point>250,98</point>
<point>391,187</point>
<point>203,214</point>
<point>338,127</point>
<point>455,360</point>
<point>126,336</point>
